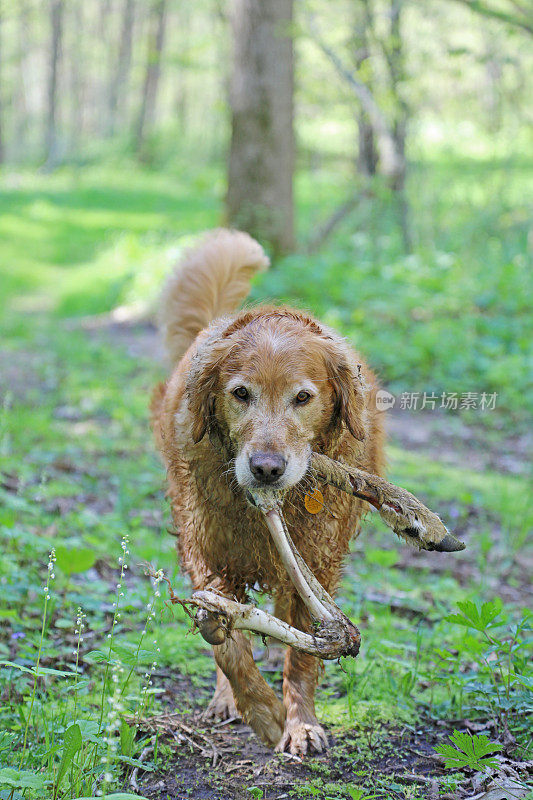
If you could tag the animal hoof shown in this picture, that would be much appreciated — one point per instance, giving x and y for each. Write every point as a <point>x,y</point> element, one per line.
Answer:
<point>301,738</point>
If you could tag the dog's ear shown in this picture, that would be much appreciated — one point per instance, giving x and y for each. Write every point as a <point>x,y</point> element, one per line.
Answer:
<point>204,382</point>
<point>202,403</point>
<point>348,401</point>
<point>201,390</point>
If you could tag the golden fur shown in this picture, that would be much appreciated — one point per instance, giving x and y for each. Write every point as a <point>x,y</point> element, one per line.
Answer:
<point>275,353</point>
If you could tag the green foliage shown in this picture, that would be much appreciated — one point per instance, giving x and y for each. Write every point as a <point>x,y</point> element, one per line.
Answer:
<point>501,681</point>
<point>72,742</point>
<point>127,736</point>
<point>469,751</point>
<point>115,796</point>
<point>71,559</point>
<point>472,617</point>
<point>21,779</point>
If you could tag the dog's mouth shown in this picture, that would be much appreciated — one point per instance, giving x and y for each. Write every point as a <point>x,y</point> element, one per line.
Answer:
<point>264,496</point>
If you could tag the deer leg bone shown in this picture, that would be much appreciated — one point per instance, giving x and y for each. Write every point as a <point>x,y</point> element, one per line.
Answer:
<point>218,616</point>
<point>335,635</point>
<point>305,583</point>
<point>398,508</point>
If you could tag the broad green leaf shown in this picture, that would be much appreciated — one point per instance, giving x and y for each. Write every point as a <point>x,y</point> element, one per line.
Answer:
<point>74,559</point>
<point>471,613</point>
<point>134,762</point>
<point>71,744</point>
<point>458,619</point>
<point>12,665</point>
<point>525,680</point>
<point>95,657</point>
<point>472,617</point>
<point>490,610</point>
<point>21,779</point>
<point>127,735</point>
<point>119,796</point>
<point>38,673</point>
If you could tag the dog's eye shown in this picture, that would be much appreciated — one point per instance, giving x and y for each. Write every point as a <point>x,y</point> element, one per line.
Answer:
<point>302,397</point>
<point>241,393</point>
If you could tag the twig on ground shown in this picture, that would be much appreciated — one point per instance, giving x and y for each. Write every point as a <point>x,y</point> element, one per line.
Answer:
<point>173,725</point>
<point>133,779</point>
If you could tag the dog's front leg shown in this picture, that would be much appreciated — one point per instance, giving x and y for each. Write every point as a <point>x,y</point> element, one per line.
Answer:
<point>255,700</point>
<point>222,705</point>
<point>302,731</point>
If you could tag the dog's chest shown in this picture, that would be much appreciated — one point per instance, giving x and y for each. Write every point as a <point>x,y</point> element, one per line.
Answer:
<point>236,545</point>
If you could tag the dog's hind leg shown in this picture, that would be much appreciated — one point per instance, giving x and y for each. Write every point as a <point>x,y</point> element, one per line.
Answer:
<point>256,701</point>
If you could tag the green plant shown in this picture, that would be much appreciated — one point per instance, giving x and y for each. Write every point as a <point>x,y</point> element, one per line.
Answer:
<point>503,660</point>
<point>50,576</point>
<point>470,751</point>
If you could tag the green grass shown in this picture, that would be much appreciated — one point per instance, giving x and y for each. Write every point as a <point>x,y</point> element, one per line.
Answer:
<point>79,469</point>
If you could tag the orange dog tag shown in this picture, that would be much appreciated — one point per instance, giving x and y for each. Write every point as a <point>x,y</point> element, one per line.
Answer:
<point>314,501</point>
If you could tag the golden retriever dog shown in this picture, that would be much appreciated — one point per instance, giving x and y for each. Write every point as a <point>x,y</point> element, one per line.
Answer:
<point>276,385</point>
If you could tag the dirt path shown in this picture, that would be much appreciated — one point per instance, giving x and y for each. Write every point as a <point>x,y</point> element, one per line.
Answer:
<point>226,762</point>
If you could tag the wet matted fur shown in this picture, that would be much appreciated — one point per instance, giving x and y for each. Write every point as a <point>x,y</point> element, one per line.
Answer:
<point>275,384</point>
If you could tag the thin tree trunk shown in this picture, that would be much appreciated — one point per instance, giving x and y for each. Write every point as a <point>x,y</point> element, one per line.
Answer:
<point>399,130</point>
<point>261,160</point>
<point>2,153</point>
<point>21,110</point>
<point>396,70</point>
<point>390,160</point>
<point>156,36</point>
<point>76,62</point>
<point>118,88</point>
<point>367,158</point>
<point>51,141</point>
<point>105,36</point>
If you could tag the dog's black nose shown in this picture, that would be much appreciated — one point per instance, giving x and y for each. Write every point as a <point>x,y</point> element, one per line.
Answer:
<point>267,467</point>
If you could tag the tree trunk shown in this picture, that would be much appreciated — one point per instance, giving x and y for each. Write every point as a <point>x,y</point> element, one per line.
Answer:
<point>396,70</point>
<point>51,141</point>
<point>156,34</point>
<point>261,161</point>
<point>76,60</point>
<point>367,157</point>
<point>118,88</point>
<point>2,154</point>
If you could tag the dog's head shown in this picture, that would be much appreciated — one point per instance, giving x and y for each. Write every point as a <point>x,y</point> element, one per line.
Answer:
<point>275,384</point>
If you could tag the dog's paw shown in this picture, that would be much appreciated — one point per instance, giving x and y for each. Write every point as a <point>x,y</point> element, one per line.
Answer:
<point>222,706</point>
<point>300,738</point>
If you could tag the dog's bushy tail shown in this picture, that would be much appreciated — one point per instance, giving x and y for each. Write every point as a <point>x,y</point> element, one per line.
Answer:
<point>210,280</point>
